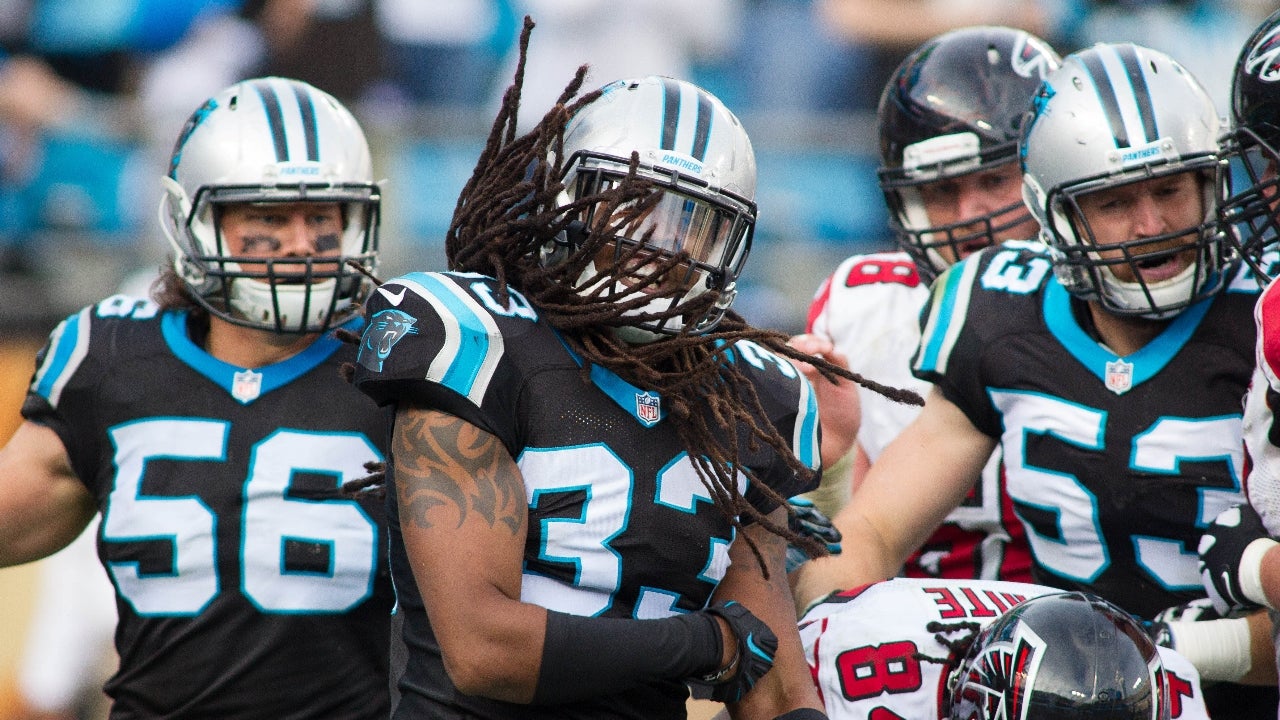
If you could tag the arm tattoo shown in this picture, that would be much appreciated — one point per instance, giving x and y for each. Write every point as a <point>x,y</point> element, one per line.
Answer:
<point>441,460</point>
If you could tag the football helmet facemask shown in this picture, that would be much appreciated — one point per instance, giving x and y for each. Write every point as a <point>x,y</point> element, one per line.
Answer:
<point>953,108</point>
<point>1252,211</point>
<point>693,237</point>
<point>271,140</point>
<point>1112,115</point>
<point>1059,656</point>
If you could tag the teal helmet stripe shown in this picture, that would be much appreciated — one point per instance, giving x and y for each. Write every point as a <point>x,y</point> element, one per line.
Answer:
<point>670,113</point>
<point>275,118</point>
<point>306,105</point>
<point>671,109</point>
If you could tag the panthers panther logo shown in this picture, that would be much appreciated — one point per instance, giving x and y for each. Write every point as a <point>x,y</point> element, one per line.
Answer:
<point>386,329</point>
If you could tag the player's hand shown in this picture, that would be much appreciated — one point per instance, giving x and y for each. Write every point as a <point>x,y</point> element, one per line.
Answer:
<point>806,519</point>
<point>753,657</point>
<point>1231,551</point>
<point>838,404</point>
<point>1197,610</point>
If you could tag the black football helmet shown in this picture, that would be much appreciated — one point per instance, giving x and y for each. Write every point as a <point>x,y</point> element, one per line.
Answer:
<point>1060,656</point>
<point>953,107</point>
<point>1253,145</point>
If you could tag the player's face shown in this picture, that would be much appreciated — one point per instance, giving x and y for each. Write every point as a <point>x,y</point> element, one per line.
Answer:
<point>282,231</point>
<point>970,197</point>
<point>674,224</point>
<point>1170,206</point>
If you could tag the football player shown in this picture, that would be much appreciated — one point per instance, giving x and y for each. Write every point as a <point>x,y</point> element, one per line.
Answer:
<point>213,432</point>
<point>948,122</point>
<point>990,650</point>
<point>1107,361</point>
<point>1240,565</point>
<point>591,452</point>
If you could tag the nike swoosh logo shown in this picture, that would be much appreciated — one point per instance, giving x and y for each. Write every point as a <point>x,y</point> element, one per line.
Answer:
<point>395,298</point>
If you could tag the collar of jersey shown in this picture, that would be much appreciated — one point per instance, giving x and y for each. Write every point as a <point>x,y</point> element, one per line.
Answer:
<point>1147,362</point>
<point>174,327</point>
<point>620,391</point>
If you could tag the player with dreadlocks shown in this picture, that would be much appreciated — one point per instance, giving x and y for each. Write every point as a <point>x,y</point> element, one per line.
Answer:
<point>990,650</point>
<point>591,454</point>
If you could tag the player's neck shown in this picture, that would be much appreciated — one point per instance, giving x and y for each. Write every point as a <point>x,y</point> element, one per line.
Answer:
<point>1124,335</point>
<point>251,348</point>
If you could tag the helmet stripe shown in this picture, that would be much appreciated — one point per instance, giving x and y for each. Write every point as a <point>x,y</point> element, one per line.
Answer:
<point>306,104</point>
<point>670,113</point>
<point>702,133</point>
<point>275,119</point>
<point>1106,96</point>
<point>1141,93</point>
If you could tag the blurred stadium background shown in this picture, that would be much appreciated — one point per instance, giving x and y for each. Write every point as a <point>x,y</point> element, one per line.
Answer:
<point>92,93</point>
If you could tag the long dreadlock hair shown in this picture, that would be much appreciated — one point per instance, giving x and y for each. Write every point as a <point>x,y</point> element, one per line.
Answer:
<point>513,208</point>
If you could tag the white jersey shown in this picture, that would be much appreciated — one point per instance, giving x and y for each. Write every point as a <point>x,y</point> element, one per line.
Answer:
<point>864,646</point>
<point>870,309</point>
<point>1261,435</point>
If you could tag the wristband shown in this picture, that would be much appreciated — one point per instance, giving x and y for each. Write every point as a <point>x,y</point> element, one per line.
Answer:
<point>1251,570</point>
<point>1219,649</point>
<point>638,652</point>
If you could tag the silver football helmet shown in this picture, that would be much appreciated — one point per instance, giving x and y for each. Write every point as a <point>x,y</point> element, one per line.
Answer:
<point>271,140</point>
<point>698,156</point>
<point>1112,115</point>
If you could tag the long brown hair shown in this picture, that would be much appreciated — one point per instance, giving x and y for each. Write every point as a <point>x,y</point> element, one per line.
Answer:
<point>512,208</point>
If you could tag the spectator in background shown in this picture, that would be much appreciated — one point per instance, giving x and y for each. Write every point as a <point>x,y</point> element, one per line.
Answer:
<point>884,31</point>
<point>446,52</point>
<point>617,39</point>
<point>1203,35</point>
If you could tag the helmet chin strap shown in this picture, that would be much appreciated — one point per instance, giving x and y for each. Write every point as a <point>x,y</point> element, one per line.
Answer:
<point>1173,293</point>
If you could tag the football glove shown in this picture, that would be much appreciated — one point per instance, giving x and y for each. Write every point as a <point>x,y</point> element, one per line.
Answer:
<point>752,658</point>
<point>1231,551</point>
<point>806,519</point>
<point>1195,611</point>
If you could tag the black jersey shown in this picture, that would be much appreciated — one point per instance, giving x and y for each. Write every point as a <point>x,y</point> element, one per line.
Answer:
<point>619,523</point>
<point>1115,464</point>
<point>247,585</point>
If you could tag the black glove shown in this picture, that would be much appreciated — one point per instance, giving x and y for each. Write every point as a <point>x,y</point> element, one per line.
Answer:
<point>808,520</point>
<point>1222,548</point>
<point>751,659</point>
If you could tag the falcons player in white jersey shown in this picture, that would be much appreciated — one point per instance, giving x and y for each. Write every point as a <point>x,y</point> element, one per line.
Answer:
<point>987,649</point>
<point>951,180</point>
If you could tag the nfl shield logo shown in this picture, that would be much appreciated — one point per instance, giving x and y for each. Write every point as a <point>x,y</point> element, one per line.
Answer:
<point>246,386</point>
<point>648,407</point>
<point>1119,376</point>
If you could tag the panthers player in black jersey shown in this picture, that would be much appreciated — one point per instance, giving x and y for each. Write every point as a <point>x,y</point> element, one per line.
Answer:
<point>213,430</point>
<point>1108,361</point>
<point>591,453</point>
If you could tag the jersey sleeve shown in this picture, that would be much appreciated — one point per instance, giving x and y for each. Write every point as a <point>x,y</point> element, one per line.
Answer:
<point>950,352</point>
<point>69,368</point>
<point>439,340</point>
<point>788,399</point>
<point>870,310</point>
